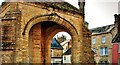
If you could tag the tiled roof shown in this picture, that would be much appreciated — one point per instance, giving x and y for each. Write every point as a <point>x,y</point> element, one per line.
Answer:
<point>68,52</point>
<point>103,29</point>
<point>65,6</point>
<point>60,5</point>
<point>56,45</point>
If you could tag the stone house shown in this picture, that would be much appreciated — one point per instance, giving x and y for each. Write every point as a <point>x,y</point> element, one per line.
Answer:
<point>56,52</point>
<point>66,45</point>
<point>101,43</point>
<point>67,57</point>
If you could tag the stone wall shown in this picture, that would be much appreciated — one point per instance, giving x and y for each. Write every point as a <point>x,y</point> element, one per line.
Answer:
<point>26,15</point>
<point>57,53</point>
<point>99,44</point>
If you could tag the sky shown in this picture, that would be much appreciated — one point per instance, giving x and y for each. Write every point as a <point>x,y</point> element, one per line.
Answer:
<point>98,12</point>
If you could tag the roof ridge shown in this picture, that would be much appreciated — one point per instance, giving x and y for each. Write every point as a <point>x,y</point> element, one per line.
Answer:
<point>102,26</point>
<point>102,29</point>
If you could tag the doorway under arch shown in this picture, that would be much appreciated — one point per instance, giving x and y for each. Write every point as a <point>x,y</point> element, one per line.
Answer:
<point>60,45</point>
<point>40,37</point>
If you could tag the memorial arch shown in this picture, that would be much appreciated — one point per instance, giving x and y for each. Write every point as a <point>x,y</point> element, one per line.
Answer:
<point>33,25</point>
<point>40,32</point>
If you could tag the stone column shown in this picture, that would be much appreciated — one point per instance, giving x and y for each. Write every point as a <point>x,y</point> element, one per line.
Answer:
<point>43,44</point>
<point>36,49</point>
<point>77,47</point>
<point>47,52</point>
<point>76,50</point>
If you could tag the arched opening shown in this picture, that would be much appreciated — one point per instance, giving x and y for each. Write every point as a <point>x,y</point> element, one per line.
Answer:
<point>61,48</point>
<point>40,38</point>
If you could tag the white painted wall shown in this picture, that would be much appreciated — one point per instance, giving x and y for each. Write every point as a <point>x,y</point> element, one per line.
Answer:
<point>66,58</point>
<point>56,60</point>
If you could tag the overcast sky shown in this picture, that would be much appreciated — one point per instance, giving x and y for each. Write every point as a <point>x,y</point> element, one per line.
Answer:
<point>98,12</point>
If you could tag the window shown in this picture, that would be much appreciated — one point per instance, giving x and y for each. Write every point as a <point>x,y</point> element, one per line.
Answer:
<point>94,40</point>
<point>103,51</point>
<point>106,51</point>
<point>103,39</point>
<point>64,57</point>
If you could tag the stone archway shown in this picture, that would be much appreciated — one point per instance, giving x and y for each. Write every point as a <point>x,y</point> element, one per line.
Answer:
<point>39,33</point>
<point>25,16</point>
<point>50,17</point>
<point>40,37</point>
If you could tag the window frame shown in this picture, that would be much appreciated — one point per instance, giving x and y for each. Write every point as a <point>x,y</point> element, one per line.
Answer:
<point>103,51</point>
<point>93,40</point>
<point>103,39</point>
<point>64,57</point>
<point>106,51</point>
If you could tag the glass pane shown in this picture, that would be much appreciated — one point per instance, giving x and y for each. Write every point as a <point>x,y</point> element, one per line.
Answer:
<point>106,51</point>
<point>101,51</point>
<point>94,40</point>
<point>103,39</point>
<point>64,57</point>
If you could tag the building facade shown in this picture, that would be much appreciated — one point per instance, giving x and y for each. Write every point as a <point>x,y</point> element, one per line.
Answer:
<point>67,57</point>
<point>56,52</point>
<point>101,43</point>
<point>66,45</point>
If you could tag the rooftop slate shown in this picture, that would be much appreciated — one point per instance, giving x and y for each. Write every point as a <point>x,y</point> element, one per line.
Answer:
<point>56,45</point>
<point>63,5</point>
<point>103,29</point>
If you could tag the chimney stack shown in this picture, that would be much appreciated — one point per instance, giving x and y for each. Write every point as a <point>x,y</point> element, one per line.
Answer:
<point>86,24</point>
<point>117,22</point>
<point>81,4</point>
